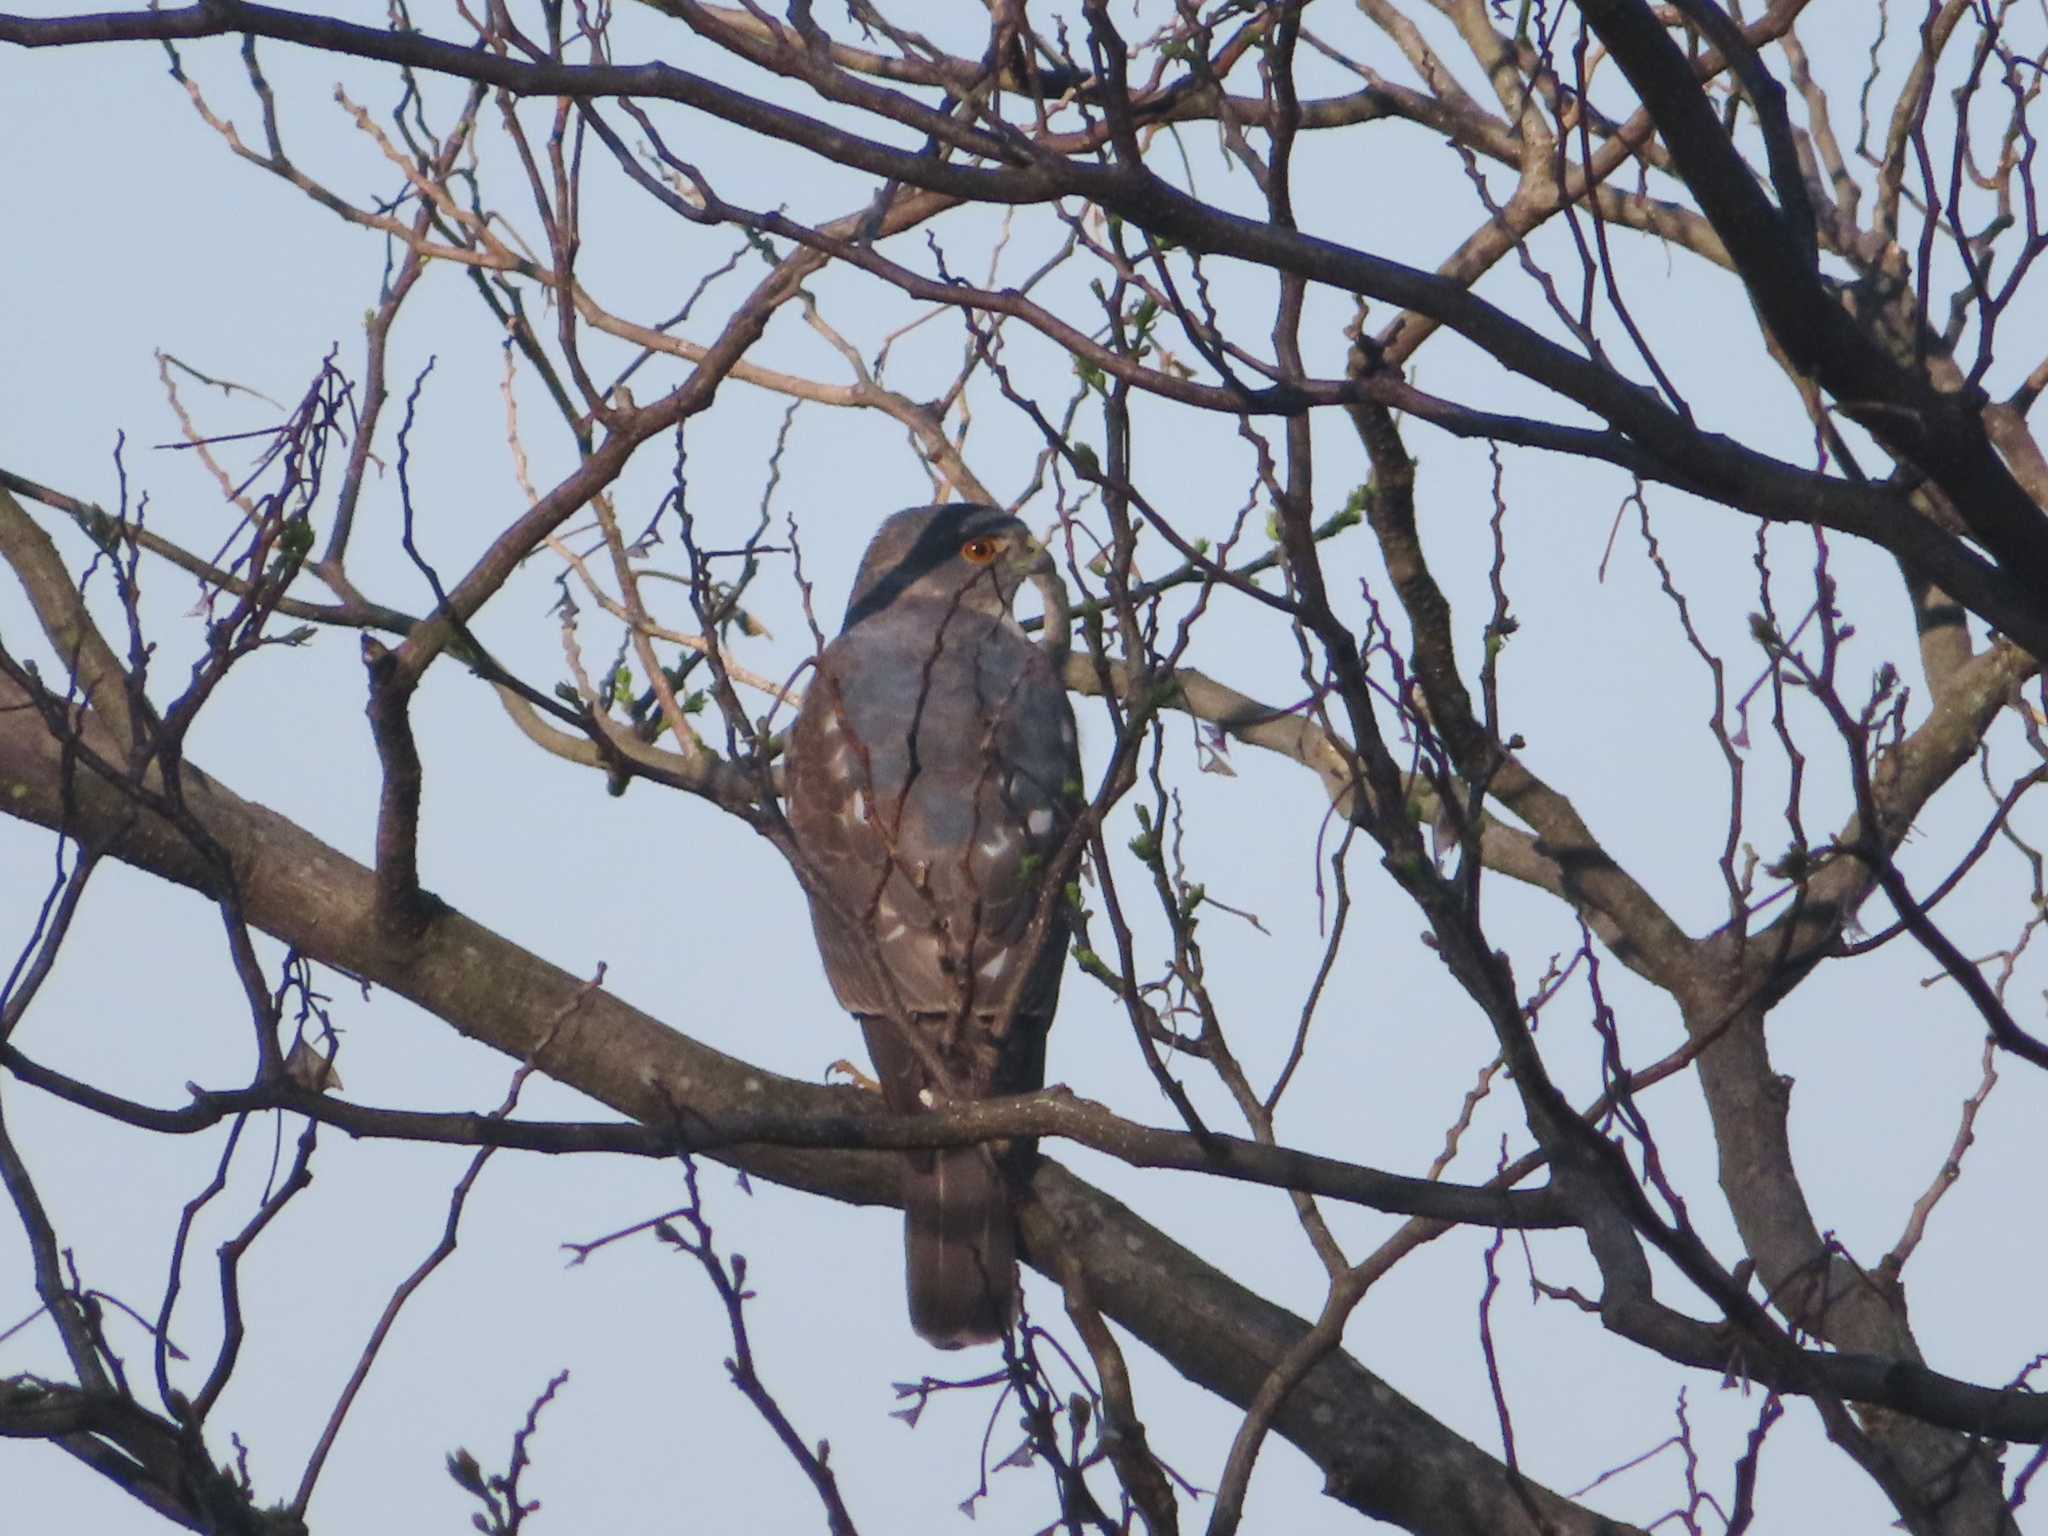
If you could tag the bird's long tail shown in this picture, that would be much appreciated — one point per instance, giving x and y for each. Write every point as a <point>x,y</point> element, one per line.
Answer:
<point>960,1247</point>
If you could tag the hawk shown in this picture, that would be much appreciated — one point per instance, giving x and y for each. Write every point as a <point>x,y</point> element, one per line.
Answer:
<point>931,779</point>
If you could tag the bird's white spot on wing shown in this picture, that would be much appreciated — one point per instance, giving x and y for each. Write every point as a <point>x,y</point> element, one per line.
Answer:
<point>860,805</point>
<point>1039,822</point>
<point>895,933</point>
<point>993,967</point>
<point>995,845</point>
<point>924,1097</point>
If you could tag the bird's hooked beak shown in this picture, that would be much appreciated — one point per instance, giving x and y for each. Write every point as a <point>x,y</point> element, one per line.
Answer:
<point>1030,558</point>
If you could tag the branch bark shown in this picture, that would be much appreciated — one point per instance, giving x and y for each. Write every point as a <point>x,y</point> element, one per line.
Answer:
<point>1380,1453</point>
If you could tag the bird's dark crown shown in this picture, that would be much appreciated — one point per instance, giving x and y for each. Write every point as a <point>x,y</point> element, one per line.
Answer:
<point>915,556</point>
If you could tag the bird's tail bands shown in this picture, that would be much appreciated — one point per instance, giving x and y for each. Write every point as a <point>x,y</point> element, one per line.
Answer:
<point>960,1247</point>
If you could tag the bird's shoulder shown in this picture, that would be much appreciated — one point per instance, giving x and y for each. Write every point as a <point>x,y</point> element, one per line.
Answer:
<point>899,662</point>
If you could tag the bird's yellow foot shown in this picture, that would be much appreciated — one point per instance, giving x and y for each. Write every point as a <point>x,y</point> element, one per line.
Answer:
<point>853,1075</point>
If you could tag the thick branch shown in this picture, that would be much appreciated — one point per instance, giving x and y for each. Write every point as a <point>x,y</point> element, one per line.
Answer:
<point>1380,1453</point>
<point>1368,1439</point>
<point>1942,433</point>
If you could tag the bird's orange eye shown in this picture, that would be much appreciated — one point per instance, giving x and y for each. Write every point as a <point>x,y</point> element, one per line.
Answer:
<point>979,551</point>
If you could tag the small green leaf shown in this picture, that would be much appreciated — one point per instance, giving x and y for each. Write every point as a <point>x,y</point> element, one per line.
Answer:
<point>296,538</point>
<point>103,530</point>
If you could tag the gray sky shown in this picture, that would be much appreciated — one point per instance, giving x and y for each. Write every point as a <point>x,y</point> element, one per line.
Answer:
<point>136,230</point>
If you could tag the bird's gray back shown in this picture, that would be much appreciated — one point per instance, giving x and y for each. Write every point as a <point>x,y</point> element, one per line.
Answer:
<point>932,779</point>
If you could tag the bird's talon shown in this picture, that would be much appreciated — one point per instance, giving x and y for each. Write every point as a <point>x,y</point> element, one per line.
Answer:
<point>853,1075</point>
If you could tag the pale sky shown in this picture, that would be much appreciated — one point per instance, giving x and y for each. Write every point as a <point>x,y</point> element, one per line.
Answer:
<point>134,230</point>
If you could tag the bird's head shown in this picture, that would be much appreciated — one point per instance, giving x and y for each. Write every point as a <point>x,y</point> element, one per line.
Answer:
<point>961,555</point>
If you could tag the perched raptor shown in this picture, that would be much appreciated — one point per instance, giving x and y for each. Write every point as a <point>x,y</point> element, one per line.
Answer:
<point>932,779</point>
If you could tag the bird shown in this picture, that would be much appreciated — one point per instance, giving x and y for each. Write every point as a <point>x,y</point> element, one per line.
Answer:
<point>931,779</point>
